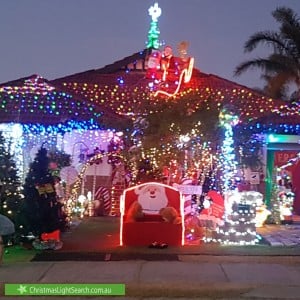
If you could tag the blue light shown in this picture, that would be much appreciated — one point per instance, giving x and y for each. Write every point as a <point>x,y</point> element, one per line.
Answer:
<point>120,80</point>
<point>60,128</point>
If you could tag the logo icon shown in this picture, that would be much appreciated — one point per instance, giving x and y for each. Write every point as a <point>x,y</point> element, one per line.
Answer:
<point>22,289</point>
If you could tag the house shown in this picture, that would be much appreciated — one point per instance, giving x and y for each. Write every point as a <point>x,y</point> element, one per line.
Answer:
<point>111,98</point>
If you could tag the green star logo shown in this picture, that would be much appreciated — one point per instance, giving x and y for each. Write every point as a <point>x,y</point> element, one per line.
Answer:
<point>22,289</point>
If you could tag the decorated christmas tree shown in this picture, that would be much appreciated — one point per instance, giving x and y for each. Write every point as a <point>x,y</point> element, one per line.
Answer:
<point>153,34</point>
<point>10,193</point>
<point>41,208</point>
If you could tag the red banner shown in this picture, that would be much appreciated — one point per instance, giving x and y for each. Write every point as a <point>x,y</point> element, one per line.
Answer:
<point>282,157</point>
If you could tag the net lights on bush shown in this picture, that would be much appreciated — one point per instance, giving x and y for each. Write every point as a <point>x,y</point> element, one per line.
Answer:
<point>240,219</point>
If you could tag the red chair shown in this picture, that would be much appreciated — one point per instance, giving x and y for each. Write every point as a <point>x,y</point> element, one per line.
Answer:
<point>151,228</point>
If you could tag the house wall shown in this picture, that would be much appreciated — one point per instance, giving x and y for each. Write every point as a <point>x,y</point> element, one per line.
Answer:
<point>81,146</point>
<point>281,149</point>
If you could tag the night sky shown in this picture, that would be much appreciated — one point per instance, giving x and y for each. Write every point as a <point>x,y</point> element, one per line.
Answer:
<point>61,37</point>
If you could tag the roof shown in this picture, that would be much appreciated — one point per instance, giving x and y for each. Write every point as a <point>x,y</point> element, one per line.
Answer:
<point>135,61</point>
<point>128,91</point>
<point>123,89</point>
<point>34,100</point>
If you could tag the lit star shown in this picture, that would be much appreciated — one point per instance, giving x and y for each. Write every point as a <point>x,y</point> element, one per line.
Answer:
<point>22,289</point>
<point>155,12</point>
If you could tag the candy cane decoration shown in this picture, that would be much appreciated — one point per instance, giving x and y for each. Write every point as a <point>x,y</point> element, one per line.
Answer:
<point>103,195</point>
<point>187,197</point>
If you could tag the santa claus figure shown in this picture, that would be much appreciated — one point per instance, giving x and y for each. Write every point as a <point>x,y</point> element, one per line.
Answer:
<point>169,65</point>
<point>153,71</point>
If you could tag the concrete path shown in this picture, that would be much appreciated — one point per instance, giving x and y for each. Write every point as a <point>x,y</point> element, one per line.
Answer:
<point>202,272</point>
<point>194,276</point>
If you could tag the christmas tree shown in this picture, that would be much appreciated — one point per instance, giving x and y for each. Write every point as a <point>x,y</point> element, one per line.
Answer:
<point>41,208</point>
<point>153,34</point>
<point>10,189</point>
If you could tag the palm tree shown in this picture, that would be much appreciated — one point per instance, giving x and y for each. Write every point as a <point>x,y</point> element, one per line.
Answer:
<point>282,67</point>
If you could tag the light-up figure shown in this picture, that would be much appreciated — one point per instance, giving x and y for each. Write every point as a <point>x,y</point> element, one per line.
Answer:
<point>166,68</point>
<point>153,64</point>
<point>153,34</point>
<point>169,65</point>
<point>175,71</point>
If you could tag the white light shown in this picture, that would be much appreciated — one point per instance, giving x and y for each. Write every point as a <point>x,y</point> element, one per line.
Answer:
<point>89,195</point>
<point>81,199</point>
<point>206,203</point>
<point>154,12</point>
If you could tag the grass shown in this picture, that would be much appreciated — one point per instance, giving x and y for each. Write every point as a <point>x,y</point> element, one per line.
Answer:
<point>101,235</point>
<point>13,254</point>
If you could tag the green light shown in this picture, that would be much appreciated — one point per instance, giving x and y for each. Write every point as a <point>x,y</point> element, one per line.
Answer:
<point>153,34</point>
<point>283,138</point>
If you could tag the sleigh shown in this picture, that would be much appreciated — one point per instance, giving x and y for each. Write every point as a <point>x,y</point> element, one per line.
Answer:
<point>151,227</point>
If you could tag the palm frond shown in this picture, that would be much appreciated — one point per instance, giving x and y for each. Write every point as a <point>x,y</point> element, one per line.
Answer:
<point>282,66</point>
<point>283,14</point>
<point>266,65</point>
<point>277,85</point>
<point>289,29</point>
<point>284,63</point>
<point>268,38</point>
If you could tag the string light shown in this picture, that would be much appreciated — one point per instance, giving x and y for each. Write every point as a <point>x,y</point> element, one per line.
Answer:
<point>227,161</point>
<point>153,34</point>
<point>240,220</point>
